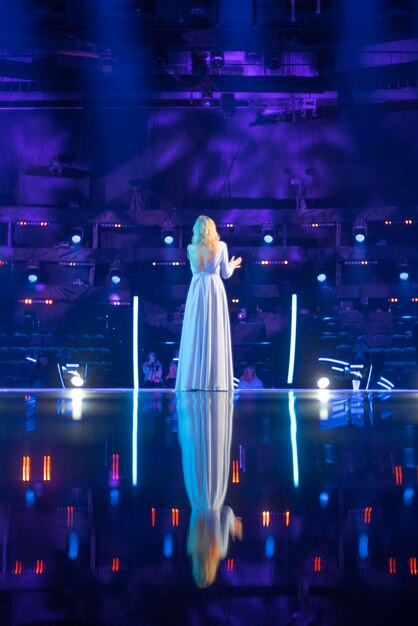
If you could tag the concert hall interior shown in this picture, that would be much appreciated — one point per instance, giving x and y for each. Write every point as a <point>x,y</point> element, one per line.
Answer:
<point>287,495</point>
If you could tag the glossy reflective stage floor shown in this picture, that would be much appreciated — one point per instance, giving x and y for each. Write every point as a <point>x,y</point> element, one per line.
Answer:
<point>208,508</point>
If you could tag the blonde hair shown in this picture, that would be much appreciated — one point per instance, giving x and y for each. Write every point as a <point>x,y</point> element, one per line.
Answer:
<point>204,232</point>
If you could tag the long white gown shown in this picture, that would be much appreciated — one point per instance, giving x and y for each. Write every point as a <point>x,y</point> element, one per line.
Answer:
<point>205,357</point>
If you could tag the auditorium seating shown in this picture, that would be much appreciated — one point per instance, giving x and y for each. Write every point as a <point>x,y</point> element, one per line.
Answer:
<point>16,346</point>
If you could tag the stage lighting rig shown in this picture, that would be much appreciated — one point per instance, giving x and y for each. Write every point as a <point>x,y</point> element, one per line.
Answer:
<point>404,269</point>
<point>217,59</point>
<point>33,272</point>
<point>76,236</point>
<point>169,237</point>
<point>360,231</point>
<point>115,274</point>
<point>268,234</point>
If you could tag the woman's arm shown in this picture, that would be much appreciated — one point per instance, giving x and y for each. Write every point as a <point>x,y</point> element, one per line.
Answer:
<point>228,266</point>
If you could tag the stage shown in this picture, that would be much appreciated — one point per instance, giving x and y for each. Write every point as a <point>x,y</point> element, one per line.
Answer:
<point>97,489</point>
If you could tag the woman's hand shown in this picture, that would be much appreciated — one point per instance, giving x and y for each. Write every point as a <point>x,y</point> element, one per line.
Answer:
<point>236,262</point>
<point>237,529</point>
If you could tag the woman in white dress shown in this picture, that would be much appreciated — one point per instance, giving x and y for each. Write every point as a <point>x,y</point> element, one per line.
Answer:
<point>205,358</point>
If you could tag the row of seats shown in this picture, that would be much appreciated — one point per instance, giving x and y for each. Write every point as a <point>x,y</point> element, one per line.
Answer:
<point>82,354</point>
<point>17,374</point>
<point>50,340</point>
<point>389,354</point>
<point>371,341</point>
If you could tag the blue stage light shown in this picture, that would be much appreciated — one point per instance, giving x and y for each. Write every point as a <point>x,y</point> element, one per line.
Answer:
<point>360,231</point>
<point>76,236</point>
<point>321,277</point>
<point>116,277</point>
<point>33,277</point>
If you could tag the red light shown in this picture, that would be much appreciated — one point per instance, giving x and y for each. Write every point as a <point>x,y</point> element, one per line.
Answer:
<point>115,467</point>
<point>235,472</point>
<point>408,222</point>
<point>367,514</point>
<point>230,564</point>
<point>265,518</point>
<point>286,515</point>
<point>26,469</point>
<point>317,564</point>
<point>47,468</point>
<point>413,566</point>
<point>398,475</point>
<point>17,568</point>
<point>388,222</point>
<point>392,565</point>
<point>70,516</point>
<point>174,517</point>
<point>39,568</point>
<point>115,564</point>
<point>153,517</point>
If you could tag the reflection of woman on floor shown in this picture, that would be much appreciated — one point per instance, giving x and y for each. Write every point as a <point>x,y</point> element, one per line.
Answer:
<point>205,430</point>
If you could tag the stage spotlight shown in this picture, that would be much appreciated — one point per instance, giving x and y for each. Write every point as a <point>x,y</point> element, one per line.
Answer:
<point>323,382</point>
<point>77,381</point>
<point>207,99</point>
<point>360,231</point>
<point>403,270</point>
<point>268,234</point>
<point>115,276</point>
<point>168,237</point>
<point>321,276</point>
<point>217,59</point>
<point>72,374</point>
<point>76,236</point>
<point>33,273</point>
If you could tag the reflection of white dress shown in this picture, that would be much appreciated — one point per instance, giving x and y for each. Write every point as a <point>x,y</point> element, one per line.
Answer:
<point>205,432</point>
<point>205,358</point>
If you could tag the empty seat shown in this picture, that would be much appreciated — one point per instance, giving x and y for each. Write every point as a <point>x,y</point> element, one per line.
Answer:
<point>19,339</point>
<point>398,341</point>
<point>82,341</point>
<point>379,341</point>
<point>18,354</point>
<point>393,355</point>
<point>97,341</point>
<point>408,354</point>
<point>328,343</point>
<point>408,378</point>
<point>344,352</point>
<point>346,338</point>
<point>36,340</point>
<point>50,340</point>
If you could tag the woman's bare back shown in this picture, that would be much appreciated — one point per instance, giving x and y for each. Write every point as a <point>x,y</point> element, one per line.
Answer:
<point>201,256</point>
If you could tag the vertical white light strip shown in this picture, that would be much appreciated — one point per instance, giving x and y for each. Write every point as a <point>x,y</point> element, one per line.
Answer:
<point>369,377</point>
<point>135,343</point>
<point>135,439</point>
<point>292,339</point>
<point>293,430</point>
<point>135,393</point>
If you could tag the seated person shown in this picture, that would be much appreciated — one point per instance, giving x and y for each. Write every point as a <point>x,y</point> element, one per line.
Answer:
<point>39,376</point>
<point>249,379</point>
<point>153,371</point>
<point>170,379</point>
